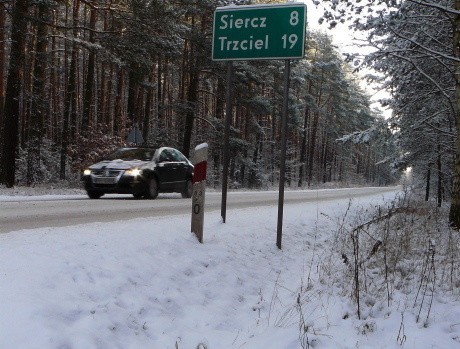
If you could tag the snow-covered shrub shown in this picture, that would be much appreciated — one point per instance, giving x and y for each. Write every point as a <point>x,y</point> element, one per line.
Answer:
<point>405,248</point>
<point>97,142</point>
<point>48,169</point>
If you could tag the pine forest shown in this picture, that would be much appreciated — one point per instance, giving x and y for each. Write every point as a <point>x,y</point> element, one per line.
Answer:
<point>77,76</point>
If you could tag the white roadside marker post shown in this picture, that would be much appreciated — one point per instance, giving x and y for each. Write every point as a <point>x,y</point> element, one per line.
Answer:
<point>199,188</point>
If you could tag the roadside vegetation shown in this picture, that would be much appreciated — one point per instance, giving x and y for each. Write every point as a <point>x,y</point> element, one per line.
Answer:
<point>400,257</point>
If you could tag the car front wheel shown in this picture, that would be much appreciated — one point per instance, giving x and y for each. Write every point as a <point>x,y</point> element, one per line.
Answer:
<point>152,190</point>
<point>188,191</point>
<point>94,194</point>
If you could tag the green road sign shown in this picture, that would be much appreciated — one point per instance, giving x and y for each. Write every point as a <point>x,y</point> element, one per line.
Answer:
<point>259,32</point>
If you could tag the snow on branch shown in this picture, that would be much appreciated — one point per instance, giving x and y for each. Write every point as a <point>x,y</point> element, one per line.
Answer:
<point>358,137</point>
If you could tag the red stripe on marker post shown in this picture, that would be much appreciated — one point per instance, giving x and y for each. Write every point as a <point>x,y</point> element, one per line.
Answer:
<point>199,172</point>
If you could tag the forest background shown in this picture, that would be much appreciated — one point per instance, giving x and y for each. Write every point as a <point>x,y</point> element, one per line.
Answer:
<point>76,76</point>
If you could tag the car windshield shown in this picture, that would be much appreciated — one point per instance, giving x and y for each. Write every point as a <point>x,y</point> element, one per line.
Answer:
<point>129,154</point>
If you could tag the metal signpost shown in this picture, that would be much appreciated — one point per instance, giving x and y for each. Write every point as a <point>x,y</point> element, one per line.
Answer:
<point>228,117</point>
<point>257,32</point>
<point>199,188</point>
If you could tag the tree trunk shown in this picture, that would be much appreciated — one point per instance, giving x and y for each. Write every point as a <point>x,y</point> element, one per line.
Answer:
<point>311,151</point>
<point>428,184</point>
<point>89,83</point>
<point>147,114</point>
<point>70,100</point>
<point>454,215</point>
<point>192,92</point>
<point>252,180</point>
<point>132,95</point>
<point>26,89</point>
<point>439,181</point>
<point>439,165</point>
<point>325,157</point>
<point>303,146</point>
<point>217,145</point>
<point>38,108</point>
<point>2,58</point>
<point>192,98</point>
<point>13,90</point>
<point>55,113</point>
<point>118,118</point>
<point>160,134</point>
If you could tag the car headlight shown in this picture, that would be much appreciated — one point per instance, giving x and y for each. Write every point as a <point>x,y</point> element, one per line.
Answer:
<point>87,172</point>
<point>133,172</point>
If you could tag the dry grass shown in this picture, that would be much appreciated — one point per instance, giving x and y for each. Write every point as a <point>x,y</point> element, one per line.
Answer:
<point>406,247</point>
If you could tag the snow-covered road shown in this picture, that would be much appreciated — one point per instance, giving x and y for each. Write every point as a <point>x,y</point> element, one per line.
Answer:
<point>17,213</point>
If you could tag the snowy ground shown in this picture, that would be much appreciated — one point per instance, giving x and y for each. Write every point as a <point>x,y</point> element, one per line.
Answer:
<point>148,283</point>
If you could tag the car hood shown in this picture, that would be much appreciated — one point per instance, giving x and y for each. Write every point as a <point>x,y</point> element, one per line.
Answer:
<point>118,164</point>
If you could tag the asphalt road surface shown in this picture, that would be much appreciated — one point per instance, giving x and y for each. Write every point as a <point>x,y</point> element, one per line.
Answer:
<point>61,211</point>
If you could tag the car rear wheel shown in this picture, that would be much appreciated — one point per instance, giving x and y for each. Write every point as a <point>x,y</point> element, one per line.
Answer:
<point>188,191</point>
<point>94,194</point>
<point>152,190</point>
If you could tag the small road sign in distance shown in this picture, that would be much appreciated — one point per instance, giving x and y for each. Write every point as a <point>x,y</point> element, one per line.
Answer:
<point>259,32</point>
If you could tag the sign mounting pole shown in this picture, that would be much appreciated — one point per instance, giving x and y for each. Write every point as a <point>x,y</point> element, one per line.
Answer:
<point>228,119</point>
<point>284,124</point>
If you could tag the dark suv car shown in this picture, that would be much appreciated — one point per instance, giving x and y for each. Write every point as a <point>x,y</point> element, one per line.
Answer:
<point>143,172</point>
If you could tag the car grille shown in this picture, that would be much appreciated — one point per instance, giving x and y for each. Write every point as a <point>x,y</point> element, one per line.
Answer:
<point>106,173</point>
<point>106,177</point>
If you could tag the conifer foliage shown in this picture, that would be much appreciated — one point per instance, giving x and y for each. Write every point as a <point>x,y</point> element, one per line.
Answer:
<point>80,74</point>
<point>417,51</point>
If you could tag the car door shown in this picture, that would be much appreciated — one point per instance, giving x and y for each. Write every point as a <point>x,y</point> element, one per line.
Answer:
<point>180,175</point>
<point>166,169</point>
